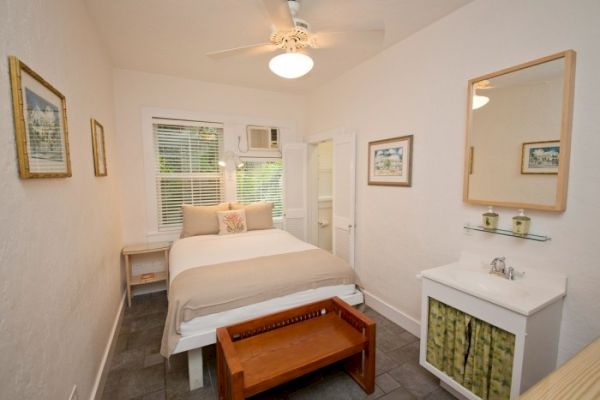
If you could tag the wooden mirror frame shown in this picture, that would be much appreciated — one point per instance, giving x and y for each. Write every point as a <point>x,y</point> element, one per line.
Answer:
<point>565,134</point>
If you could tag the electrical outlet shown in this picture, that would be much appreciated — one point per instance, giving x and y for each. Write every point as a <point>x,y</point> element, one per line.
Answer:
<point>74,395</point>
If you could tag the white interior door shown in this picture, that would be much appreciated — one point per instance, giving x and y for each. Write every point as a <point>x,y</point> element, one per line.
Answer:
<point>294,189</point>
<point>344,186</point>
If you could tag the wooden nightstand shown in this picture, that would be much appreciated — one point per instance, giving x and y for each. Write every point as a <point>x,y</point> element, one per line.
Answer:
<point>146,248</point>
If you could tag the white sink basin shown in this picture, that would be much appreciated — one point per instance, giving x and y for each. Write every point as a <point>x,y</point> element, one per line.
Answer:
<point>530,291</point>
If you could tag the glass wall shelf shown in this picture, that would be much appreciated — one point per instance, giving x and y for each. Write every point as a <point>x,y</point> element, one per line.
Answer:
<point>506,232</point>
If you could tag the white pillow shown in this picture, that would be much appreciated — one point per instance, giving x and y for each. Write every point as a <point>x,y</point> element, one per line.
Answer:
<point>233,221</point>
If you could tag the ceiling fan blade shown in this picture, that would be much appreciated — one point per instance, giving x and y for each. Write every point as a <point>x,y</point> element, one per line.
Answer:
<point>250,50</point>
<point>324,40</point>
<point>280,14</point>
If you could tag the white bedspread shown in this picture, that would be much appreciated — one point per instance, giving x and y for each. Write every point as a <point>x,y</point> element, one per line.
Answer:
<point>212,321</point>
<point>199,251</point>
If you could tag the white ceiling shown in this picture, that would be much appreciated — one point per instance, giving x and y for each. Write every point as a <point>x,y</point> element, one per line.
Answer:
<point>171,37</point>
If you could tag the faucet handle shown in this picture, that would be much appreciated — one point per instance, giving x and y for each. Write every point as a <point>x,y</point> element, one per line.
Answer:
<point>510,273</point>
<point>498,260</point>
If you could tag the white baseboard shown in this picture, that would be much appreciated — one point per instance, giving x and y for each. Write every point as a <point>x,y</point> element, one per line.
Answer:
<point>103,369</point>
<point>393,314</point>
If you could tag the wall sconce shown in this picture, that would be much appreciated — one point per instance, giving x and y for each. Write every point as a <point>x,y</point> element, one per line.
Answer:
<point>229,158</point>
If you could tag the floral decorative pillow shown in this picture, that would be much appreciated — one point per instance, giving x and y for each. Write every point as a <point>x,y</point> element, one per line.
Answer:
<point>233,221</point>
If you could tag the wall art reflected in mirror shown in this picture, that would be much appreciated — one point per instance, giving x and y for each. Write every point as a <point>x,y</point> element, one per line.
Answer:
<point>519,133</point>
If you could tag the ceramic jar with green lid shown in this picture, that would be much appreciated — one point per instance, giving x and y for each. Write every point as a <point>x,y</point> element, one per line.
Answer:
<point>520,224</point>
<point>489,219</point>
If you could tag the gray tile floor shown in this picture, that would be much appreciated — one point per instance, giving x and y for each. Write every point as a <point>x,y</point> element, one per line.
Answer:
<point>138,371</point>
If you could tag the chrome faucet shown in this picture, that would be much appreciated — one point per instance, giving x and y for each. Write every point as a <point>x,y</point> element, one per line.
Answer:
<point>498,267</point>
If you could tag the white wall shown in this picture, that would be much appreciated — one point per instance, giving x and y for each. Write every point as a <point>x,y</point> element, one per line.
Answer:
<point>136,91</point>
<point>419,87</point>
<point>60,284</point>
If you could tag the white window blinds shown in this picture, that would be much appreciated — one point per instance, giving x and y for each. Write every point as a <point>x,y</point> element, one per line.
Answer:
<point>261,181</point>
<point>187,171</point>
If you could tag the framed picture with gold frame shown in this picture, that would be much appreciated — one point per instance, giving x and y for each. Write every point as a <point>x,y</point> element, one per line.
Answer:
<point>390,161</point>
<point>40,115</point>
<point>98,148</point>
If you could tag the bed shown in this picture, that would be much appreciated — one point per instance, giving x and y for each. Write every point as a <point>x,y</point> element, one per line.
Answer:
<point>218,280</point>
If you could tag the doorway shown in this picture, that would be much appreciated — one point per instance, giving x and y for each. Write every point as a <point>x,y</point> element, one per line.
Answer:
<point>331,190</point>
<point>325,195</point>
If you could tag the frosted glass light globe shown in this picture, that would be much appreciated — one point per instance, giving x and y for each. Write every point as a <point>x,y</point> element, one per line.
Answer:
<point>479,101</point>
<point>291,65</point>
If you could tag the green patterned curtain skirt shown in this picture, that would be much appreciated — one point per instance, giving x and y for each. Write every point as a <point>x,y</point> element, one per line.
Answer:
<point>477,355</point>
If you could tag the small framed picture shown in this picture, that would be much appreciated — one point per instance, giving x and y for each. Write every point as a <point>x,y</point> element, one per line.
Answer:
<point>40,115</point>
<point>390,161</point>
<point>540,157</point>
<point>98,148</point>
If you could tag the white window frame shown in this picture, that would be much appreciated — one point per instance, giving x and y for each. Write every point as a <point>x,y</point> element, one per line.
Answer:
<point>234,126</point>
<point>189,175</point>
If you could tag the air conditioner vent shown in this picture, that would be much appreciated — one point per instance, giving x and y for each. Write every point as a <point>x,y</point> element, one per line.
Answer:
<point>263,138</point>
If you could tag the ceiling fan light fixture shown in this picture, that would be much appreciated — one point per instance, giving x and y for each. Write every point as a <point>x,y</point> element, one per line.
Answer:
<point>291,65</point>
<point>479,101</point>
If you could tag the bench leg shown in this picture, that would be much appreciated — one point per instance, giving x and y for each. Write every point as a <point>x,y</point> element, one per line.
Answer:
<point>230,387</point>
<point>195,368</point>
<point>361,366</point>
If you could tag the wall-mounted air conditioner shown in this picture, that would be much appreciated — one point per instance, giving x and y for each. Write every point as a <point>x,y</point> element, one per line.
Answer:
<point>262,138</point>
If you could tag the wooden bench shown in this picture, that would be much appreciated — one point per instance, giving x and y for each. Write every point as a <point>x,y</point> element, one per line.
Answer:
<point>261,353</point>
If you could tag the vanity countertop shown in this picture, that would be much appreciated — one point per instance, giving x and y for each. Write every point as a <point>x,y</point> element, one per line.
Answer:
<point>578,378</point>
<point>529,292</point>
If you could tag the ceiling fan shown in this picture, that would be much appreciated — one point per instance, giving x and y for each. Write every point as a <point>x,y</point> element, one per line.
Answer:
<point>293,35</point>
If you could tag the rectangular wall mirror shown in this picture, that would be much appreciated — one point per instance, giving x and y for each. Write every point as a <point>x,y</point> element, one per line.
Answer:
<point>519,135</point>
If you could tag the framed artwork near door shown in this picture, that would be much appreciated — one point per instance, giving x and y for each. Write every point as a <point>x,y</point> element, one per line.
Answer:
<point>390,161</point>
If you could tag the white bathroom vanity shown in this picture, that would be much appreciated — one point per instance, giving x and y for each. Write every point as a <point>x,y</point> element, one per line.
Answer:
<point>529,307</point>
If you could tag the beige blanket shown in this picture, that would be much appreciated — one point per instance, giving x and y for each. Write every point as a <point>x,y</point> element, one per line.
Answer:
<point>221,287</point>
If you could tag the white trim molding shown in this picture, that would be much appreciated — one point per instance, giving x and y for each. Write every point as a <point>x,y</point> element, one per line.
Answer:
<point>102,373</point>
<point>392,313</point>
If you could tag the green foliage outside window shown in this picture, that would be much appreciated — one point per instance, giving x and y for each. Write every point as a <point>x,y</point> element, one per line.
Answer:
<point>261,181</point>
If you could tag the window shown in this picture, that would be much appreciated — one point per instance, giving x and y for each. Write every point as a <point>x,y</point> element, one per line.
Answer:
<point>187,171</point>
<point>261,180</point>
